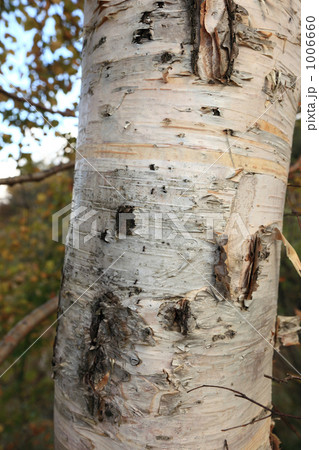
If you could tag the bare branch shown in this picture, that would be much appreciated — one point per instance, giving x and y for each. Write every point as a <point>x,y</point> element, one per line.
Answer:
<point>248,423</point>
<point>22,328</point>
<point>289,425</point>
<point>293,214</point>
<point>289,377</point>
<point>37,176</point>
<point>16,98</point>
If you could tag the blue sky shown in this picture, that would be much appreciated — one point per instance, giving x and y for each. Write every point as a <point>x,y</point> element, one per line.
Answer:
<point>15,73</point>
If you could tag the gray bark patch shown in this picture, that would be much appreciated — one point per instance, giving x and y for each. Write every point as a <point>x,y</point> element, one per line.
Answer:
<point>229,334</point>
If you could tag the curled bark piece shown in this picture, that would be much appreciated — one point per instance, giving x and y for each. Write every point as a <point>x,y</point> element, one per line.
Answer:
<point>218,49</point>
<point>276,83</point>
<point>291,252</point>
<point>288,328</point>
<point>223,28</point>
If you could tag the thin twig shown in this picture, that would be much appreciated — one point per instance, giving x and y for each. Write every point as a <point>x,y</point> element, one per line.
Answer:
<point>289,377</point>
<point>36,176</point>
<point>244,396</point>
<point>248,423</point>
<point>289,425</point>
<point>67,113</point>
<point>293,214</point>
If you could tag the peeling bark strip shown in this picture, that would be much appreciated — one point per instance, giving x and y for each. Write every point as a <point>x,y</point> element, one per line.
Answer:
<point>276,83</point>
<point>218,48</point>
<point>290,251</point>
<point>287,331</point>
<point>218,28</point>
<point>113,332</point>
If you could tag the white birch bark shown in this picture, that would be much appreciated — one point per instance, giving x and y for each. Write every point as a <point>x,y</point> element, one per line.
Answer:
<point>167,88</point>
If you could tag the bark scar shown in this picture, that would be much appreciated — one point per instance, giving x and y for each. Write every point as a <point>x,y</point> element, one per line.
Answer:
<point>219,27</point>
<point>218,48</point>
<point>248,279</point>
<point>176,316</point>
<point>114,330</point>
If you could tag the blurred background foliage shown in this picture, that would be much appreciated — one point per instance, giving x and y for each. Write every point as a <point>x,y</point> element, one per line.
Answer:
<point>40,44</point>
<point>287,396</point>
<point>30,272</point>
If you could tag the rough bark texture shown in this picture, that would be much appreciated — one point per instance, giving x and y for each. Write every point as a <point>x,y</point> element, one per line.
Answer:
<point>167,88</point>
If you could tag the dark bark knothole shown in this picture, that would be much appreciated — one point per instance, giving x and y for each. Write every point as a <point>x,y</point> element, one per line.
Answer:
<point>222,279</point>
<point>177,316</point>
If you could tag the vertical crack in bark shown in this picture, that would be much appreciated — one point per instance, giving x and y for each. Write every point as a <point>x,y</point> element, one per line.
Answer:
<point>249,273</point>
<point>217,29</point>
<point>193,8</point>
<point>218,47</point>
<point>229,42</point>
<point>222,279</point>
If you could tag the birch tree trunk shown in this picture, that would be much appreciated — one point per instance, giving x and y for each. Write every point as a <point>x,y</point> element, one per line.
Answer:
<point>170,277</point>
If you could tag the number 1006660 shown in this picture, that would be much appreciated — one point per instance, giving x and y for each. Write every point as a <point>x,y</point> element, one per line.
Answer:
<point>310,42</point>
